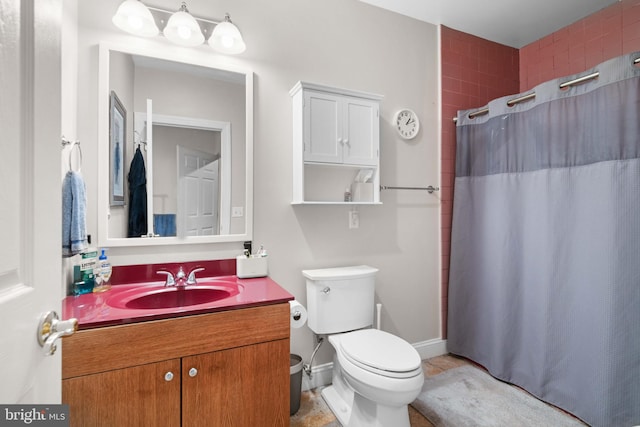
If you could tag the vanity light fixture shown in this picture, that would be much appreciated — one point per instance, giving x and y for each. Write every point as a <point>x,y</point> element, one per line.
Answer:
<point>180,27</point>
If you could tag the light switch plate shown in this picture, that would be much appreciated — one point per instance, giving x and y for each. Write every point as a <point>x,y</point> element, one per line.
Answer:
<point>237,212</point>
<point>354,218</point>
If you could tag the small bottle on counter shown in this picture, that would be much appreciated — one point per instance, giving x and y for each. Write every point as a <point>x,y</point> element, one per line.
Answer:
<point>102,273</point>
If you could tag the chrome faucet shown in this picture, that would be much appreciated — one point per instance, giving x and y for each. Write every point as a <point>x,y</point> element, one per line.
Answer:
<point>170,280</point>
<point>181,278</point>
<point>191,280</point>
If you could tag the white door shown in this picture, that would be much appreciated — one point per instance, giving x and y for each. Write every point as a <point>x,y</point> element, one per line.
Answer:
<point>30,196</point>
<point>199,182</point>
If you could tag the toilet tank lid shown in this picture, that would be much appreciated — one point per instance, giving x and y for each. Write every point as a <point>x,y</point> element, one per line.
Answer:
<point>339,273</point>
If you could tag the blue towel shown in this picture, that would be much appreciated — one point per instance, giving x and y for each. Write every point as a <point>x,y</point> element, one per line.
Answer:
<point>74,206</point>
<point>164,224</point>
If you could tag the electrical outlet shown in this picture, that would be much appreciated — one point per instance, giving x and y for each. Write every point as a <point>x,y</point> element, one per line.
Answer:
<point>354,219</point>
<point>237,212</point>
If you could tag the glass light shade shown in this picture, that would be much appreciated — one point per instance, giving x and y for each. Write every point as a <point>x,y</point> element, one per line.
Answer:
<point>183,29</point>
<point>226,38</point>
<point>133,17</point>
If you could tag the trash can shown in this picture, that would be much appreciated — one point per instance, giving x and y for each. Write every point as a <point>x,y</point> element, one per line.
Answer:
<point>295,372</point>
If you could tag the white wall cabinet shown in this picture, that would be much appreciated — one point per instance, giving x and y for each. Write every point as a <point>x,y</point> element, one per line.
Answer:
<point>336,135</point>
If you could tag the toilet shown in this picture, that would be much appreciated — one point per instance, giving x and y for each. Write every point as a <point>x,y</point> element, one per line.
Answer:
<point>375,374</point>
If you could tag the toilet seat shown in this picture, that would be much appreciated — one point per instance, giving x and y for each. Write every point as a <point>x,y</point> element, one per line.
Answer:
<point>381,353</point>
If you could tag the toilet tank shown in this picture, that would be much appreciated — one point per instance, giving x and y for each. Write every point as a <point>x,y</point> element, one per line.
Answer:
<point>340,299</point>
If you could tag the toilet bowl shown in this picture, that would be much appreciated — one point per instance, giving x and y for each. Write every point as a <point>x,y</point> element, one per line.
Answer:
<point>375,374</point>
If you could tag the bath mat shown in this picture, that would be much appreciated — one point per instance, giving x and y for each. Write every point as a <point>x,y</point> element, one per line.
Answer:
<point>467,396</point>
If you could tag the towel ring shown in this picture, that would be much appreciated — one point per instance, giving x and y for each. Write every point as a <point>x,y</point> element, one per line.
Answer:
<point>77,146</point>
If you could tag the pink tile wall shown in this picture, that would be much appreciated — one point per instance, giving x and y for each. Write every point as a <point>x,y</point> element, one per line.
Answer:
<point>474,71</point>
<point>611,32</point>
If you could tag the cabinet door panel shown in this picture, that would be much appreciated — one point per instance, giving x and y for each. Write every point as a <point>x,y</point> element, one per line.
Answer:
<point>322,128</point>
<point>245,386</point>
<point>361,132</point>
<point>137,396</point>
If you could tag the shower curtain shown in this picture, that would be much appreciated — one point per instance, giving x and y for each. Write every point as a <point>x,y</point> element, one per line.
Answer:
<point>544,286</point>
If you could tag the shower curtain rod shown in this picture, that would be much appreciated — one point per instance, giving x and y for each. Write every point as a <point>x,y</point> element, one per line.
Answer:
<point>532,95</point>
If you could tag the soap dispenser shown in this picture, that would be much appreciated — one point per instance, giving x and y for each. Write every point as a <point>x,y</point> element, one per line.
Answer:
<point>102,273</point>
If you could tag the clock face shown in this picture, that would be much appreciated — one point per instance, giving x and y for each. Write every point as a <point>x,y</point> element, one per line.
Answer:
<point>407,123</point>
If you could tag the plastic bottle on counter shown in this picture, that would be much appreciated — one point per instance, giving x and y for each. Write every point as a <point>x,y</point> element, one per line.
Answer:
<point>102,273</point>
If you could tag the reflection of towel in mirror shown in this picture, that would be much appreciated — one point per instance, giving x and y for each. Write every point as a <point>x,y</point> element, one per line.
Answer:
<point>74,204</point>
<point>137,196</point>
<point>164,224</point>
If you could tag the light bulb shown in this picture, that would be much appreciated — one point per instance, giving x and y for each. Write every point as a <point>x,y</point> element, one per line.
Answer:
<point>134,22</point>
<point>227,42</point>
<point>184,32</point>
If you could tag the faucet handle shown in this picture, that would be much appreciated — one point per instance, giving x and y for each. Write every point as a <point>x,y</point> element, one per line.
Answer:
<point>170,280</point>
<point>191,280</point>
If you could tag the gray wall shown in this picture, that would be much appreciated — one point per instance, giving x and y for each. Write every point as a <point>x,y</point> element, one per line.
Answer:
<point>343,43</point>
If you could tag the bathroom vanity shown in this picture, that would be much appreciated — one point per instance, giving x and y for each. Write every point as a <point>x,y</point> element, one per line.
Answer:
<point>226,365</point>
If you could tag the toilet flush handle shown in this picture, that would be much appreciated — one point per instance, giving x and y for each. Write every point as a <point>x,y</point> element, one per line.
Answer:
<point>326,290</point>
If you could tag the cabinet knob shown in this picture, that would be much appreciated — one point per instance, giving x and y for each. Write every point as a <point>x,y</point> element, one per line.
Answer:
<point>168,376</point>
<point>346,141</point>
<point>193,372</point>
<point>340,141</point>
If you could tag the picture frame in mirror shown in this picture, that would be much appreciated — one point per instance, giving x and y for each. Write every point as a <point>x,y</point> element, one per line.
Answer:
<point>117,141</point>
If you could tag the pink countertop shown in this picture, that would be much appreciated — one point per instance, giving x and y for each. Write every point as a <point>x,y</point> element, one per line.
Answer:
<point>97,309</point>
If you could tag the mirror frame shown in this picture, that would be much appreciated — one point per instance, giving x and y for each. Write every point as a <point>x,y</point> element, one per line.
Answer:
<point>104,210</point>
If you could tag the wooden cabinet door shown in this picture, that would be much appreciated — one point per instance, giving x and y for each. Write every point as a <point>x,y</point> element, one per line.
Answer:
<point>361,133</point>
<point>322,128</point>
<point>244,386</point>
<point>136,396</point>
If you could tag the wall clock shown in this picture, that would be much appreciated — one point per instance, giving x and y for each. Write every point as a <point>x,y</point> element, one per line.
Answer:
<point>407,123</point>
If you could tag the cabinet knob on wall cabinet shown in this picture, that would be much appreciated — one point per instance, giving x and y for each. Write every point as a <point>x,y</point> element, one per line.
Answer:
<point>193,372</point>
<point>168,376</point>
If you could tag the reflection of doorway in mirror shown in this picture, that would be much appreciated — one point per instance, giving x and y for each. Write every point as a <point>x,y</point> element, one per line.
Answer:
<point>198,191</point>
<point>206,136</point>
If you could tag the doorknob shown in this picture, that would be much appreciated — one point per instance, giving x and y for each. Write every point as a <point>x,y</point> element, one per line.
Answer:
<point>50,328</point>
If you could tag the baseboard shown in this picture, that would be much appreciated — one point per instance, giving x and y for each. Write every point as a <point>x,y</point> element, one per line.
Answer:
<point>431,348</point>
<point>321,374</point>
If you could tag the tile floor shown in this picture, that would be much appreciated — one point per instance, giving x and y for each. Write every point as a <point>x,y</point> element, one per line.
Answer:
<point>315,413</point>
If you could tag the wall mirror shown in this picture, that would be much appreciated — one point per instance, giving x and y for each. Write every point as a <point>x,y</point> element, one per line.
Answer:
<point>189,123</point>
